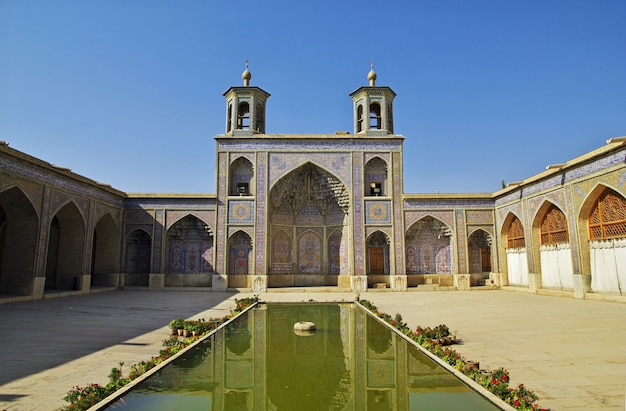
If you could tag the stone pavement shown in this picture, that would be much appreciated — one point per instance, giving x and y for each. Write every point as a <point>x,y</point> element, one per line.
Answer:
<point>571,352</point>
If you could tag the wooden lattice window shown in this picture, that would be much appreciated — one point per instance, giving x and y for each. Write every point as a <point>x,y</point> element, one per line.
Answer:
<point>554,227</point>
<point>608,216</point>
<point>515,235</point>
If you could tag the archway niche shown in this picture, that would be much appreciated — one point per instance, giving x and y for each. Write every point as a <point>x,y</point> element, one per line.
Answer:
<point>19,230</point>
<point>308,229</point>
<point>429,252</point>
<point>241,177</point>
<point>66,249</point>
<point>189,253</point>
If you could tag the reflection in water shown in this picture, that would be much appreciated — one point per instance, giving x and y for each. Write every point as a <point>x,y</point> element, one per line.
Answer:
<point>352,362</point>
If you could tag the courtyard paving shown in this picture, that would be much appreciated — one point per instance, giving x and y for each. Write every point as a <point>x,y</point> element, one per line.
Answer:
<point>571,352</point>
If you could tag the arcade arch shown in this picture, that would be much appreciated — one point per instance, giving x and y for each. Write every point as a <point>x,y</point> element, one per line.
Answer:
<point>602,223</point>
<point>514,243</point>
<point>19,230</point>
<point>550,231</point>
<point>105,253</point>
<point>66,248</point>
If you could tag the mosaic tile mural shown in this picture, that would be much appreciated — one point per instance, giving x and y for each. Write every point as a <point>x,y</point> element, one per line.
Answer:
<point>310,253</point>
<point>377,212</point>
<point>240,212</point>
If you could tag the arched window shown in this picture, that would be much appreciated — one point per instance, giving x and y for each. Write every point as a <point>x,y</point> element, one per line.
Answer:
<point>260,118</point>
<point>375,118</point>
<point>359,119</point>
<point>229,120</point>
<point>243,116</point>
<point>554,227</point>
<point>389,118</point>
<point>515,234</point>
<point>608,216</point>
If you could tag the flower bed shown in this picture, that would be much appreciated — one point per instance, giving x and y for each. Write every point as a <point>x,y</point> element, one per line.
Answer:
<point>82,398</point>
<point>495,381</point>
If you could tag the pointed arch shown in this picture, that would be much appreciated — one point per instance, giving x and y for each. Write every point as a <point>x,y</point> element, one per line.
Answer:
<point>378,259</point>
<point>65,257</point>
<point>281,253</point>
<point>105,252</point>
<point>337,253</point>
<point>376,177</point>
<point>19,230</point>
<point>239,254</point>
<point>479,249</point>
<point>551,247</point>
<point>189,247</point>
<point>310,252</point>
<point>602,225</point>
<point>428,247</point>
<point>513,243</point>
<point>241,175</point>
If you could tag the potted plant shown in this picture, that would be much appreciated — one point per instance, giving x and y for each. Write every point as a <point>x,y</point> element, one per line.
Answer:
<point>175,325</point>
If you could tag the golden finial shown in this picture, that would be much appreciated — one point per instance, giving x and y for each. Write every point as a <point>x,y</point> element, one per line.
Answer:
<point>371,76</point>
<point>246,76</point>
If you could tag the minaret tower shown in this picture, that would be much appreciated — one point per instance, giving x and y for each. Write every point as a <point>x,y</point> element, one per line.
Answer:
<point>378,102</point>
<point>245,108</point>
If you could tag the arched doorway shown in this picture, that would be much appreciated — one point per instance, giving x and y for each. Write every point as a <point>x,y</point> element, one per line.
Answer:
<point>138,252</point>
<point>479,247</point>
<point>378,266</point>
<point>239,259</point>
<point>308,225</point>
<point>19,228</point>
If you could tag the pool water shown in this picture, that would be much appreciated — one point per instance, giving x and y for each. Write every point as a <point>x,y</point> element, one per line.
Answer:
<point>258,362</point>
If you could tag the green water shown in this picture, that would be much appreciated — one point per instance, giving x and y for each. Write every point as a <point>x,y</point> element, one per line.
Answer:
<point>352,362</point>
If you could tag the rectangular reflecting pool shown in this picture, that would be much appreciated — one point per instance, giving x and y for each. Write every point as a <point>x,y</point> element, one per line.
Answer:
<point>258,362</point>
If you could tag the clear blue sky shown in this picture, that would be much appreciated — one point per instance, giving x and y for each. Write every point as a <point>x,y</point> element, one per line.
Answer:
<point>129,93</point>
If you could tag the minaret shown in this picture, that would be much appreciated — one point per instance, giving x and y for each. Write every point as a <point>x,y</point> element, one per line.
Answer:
<point>373,108</point>
<point>245,108</point>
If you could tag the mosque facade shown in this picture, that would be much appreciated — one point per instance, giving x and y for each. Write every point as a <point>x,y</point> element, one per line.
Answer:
<point>322,210</point>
